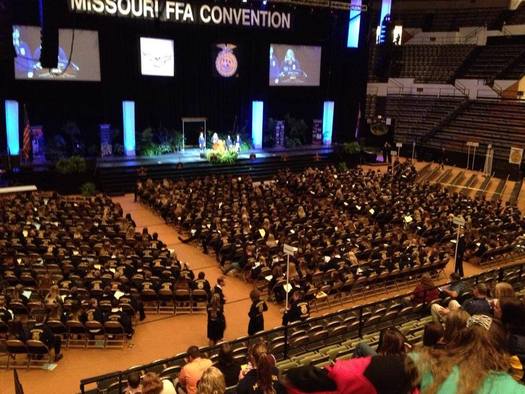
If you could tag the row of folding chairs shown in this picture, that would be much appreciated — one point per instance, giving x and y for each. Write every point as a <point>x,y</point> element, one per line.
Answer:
<point>174,301</point>
<point>34,354</point>
<point>91,334</point>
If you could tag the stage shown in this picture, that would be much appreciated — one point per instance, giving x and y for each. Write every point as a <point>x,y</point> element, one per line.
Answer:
<point>117,175</point>
<point>193,155</point>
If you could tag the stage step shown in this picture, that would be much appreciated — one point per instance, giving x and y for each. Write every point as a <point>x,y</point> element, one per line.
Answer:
<point>121,178</point>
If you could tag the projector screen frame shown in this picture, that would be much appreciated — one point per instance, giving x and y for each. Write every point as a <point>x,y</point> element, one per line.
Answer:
<point>140,62</point>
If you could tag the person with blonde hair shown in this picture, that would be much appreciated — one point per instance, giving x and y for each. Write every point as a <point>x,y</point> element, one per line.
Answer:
<point>503,289</point>
<point>52,299</point>
<point>211,382</point>
<point>455,322</point>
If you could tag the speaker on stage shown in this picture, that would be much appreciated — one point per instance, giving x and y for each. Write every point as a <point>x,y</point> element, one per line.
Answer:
<point>49,32</point>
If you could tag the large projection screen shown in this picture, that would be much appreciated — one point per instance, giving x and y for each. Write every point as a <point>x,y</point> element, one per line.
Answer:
<point>157,57</point>
<point>294,65</point>
<point>83,66</point>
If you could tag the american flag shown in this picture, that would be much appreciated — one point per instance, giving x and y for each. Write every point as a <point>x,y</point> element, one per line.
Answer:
<point>358,122</point>
<point>26,147</point>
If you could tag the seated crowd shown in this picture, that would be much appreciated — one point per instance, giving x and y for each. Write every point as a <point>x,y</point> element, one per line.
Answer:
<point>70,261</point>
<point>462,352</point>
<point>346,224</point>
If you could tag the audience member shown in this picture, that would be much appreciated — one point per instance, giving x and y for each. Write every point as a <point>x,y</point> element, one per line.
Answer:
<point>477,305</point>
<point>455,322</point>
<point>392,374</point>
<point>134,386</point>
<point>211,382</point>
<point>391,342</point>
<point>227,365</point>
<point>191,373</point>
<point>263,377</point>
<point>513,319</point>
<point>42,332</point>
<point>152,384</point>
<point>474,362</point>
<point>426,291</point>
<point>433,335</point>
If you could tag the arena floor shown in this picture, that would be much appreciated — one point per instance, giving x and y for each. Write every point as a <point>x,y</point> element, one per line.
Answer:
<point>162,336</point>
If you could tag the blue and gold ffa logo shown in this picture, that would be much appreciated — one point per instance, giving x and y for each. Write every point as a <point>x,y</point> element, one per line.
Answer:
<point>226,61</point>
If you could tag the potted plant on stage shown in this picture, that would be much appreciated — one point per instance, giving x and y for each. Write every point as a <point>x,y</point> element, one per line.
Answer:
<point>71,173</point>
<point>351,153</point>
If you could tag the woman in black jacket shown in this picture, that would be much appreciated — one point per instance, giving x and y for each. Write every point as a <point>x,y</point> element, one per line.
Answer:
<point>257,309</point>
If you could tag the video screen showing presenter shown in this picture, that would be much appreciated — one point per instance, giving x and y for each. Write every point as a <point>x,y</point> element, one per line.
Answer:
<point>81,45</point>
<point>294,65</point>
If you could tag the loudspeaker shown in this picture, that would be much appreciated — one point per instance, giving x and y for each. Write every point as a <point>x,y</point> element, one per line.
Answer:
<point>49,33</point>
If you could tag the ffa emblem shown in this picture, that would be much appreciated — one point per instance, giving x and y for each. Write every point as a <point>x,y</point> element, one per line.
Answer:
<point>35,335</point>
<point>226,61</point>
<point>304,309</point>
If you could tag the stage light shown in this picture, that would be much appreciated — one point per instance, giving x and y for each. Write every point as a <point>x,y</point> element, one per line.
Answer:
<point>11,125</point>
<point>128,118</point>
<point>265,2</point>
<point>257,123</point>
<point>354,25</point>
<point>328,122</point>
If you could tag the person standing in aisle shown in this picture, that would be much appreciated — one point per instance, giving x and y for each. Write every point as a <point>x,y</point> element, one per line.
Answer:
<point>257,309</point>
<point>216,320</point>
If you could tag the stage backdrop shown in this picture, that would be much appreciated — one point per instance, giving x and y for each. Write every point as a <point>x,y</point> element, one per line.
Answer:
<point>196,90</point>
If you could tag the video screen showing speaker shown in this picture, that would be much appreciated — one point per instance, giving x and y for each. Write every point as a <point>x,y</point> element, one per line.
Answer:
<point>157,57</point>
<point>81,45</point>
<point>294,65</point>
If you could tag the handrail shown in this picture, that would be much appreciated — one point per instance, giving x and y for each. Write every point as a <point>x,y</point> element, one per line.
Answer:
<point>462,88</point>
<point>397,83</point>
<point>472,34</point>
<point>284,329</point>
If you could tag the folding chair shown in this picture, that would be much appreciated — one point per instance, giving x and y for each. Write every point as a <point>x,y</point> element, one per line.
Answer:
<point>14,348</point>
<point>115,336</point>
<point>77,335</point>
<point>37,353</point>
<point>182,299</point>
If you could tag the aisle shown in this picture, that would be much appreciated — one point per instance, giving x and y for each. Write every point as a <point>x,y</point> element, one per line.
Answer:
<point>159,336</point>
